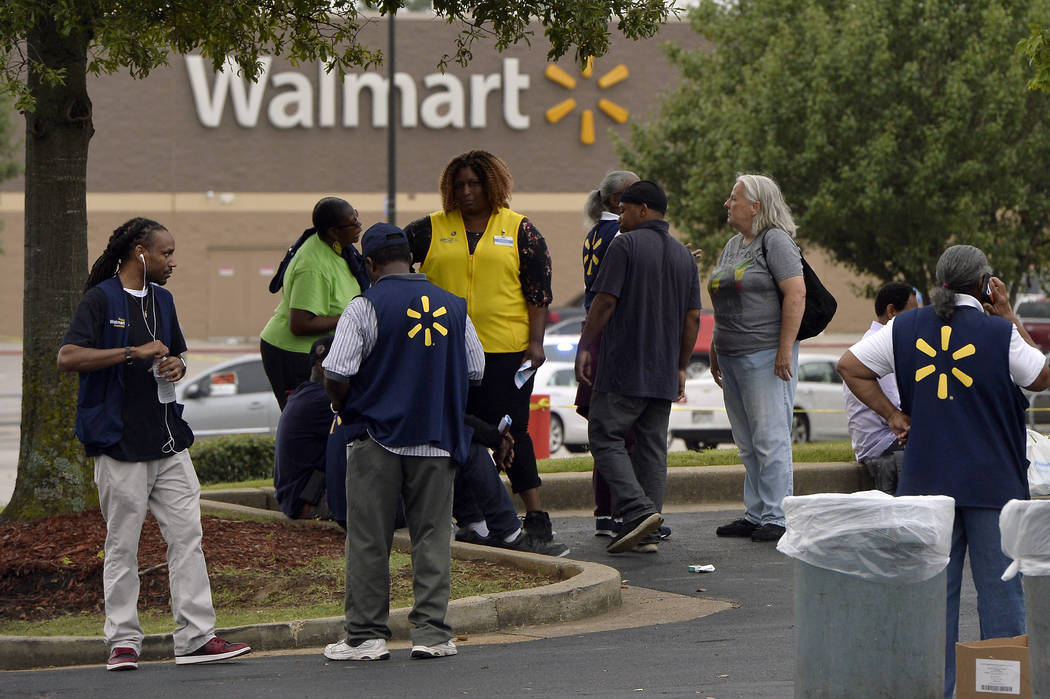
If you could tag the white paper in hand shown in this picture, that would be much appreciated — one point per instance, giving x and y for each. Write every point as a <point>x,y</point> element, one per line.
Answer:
<point>524,373</point>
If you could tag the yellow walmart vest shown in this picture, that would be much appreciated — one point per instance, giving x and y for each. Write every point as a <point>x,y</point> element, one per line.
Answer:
<point>488,279</point>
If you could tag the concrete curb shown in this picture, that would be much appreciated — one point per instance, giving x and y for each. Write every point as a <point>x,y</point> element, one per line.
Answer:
<point>686,485</point>
<point>584,590</point>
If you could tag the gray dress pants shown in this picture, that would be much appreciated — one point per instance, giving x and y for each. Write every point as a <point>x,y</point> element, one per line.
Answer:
<point>375,477</point>
<point>636,481</point>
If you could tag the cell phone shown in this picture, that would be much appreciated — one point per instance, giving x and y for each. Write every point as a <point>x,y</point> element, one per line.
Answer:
<point>504,424</point>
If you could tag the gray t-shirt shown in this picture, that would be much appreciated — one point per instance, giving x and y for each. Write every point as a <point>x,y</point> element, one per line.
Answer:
<point>744,296</point>
<point>655,282</point>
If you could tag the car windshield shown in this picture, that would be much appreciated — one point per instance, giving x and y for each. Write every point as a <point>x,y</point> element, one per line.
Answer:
<point>1034,309</point>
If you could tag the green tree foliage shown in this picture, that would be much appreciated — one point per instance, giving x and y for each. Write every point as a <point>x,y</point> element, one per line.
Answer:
<point>894,129</point>
<point>8,143</point>
<point>47,49</point>
<point>1037,47</point>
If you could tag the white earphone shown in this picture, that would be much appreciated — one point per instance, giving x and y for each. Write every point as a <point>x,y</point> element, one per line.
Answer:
<point>143,258</point>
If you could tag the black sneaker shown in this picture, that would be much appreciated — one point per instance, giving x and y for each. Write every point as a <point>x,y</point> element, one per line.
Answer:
<point>740,527</point>
<point>537,525</point>
<point>767,532</point>
<point>634,531</point>
<point>469,536</point>
<point>664,532</point>
<point>607,526</point>
<point>526,543</point>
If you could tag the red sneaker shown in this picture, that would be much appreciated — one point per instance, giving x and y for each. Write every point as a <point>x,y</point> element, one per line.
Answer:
<point>123,659</point>
<point>215,649</point>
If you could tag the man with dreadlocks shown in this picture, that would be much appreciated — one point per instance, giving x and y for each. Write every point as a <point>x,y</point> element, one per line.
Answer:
<point>126,344</point>
<point>480,250</point>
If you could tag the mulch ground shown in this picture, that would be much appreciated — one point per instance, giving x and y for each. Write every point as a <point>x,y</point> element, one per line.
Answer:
<point>53,566</point>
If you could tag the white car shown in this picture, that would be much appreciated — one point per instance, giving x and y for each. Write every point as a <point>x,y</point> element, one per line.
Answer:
<point>231,398</point>
<point>558,380</point>
<point>701,420</point>
<point>560,348</point>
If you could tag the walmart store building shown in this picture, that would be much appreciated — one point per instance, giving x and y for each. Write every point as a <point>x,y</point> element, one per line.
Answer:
<point>234,169</point>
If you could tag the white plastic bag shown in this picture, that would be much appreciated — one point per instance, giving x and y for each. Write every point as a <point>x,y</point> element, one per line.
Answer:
<point>1025,529</point>
<point>1038,463</point>
<point>872,535</point>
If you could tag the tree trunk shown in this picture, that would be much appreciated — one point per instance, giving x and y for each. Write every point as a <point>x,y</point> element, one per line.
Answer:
<point>53,474</point>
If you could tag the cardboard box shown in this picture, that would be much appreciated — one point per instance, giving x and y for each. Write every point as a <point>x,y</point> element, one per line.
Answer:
<point>996,667</point>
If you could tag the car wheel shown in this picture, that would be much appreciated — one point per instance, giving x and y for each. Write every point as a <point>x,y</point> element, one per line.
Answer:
<point>697,445</point>
<point>695,368</point>
<point>799,428</point>
<point>577,448</point>
<point>557,433</point>
<point>670,440</point>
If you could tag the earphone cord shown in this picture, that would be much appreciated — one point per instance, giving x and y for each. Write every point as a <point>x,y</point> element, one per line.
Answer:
<point>168,446</point>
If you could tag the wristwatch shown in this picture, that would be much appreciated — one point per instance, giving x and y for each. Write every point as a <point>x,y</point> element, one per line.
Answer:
<point>127,355</point>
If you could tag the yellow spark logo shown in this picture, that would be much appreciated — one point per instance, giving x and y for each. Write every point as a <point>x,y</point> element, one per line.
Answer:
<point>967,350</point>
<point>590,253</point>
<point>564,108</point>
<point>428,338</point>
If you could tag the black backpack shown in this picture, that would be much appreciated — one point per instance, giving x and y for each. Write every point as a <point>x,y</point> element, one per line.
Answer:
<point>820,304</point>
<point>354,260</point>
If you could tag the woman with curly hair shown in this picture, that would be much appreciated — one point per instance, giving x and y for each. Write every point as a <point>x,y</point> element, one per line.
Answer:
<point>478,248</point>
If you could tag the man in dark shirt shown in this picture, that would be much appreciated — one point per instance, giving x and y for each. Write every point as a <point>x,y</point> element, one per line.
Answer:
<point>300,447</point>
<point>647,301</point>
<point>126,344</point>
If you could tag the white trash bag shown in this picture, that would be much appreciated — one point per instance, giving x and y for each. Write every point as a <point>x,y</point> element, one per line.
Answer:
<point>1038,463</point>
<point>870,534</point>
<point>1025,529</point>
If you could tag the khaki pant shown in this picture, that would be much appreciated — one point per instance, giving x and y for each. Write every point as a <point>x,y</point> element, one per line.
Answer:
<point>170,489</point>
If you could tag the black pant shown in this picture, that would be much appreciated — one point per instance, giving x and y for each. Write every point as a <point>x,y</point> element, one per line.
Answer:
<point>498,396</point>
<point>285,370</point>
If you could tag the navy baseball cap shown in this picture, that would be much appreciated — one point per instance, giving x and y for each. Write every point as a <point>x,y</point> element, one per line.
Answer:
<point>382,235</point>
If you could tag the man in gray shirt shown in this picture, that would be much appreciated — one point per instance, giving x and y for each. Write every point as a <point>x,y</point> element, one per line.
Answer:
<point>647,301</point>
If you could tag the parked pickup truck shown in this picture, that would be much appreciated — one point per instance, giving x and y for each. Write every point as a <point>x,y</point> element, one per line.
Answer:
<point>1035,317</point>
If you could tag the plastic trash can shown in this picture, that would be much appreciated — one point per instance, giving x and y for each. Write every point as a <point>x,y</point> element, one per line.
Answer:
<point>870,593</point>
<point>1025,529</point>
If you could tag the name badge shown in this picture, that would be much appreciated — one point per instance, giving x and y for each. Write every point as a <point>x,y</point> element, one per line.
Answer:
<point>447,240</point>
<point>505,240</point>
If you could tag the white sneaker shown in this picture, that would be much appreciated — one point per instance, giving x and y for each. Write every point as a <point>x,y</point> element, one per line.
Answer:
<point>372,649</point>
<point>438,651</point>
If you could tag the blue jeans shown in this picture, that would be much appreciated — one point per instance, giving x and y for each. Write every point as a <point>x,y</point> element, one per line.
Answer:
<point>479,495</point>
<point>1000,605</point>
<point>759,405</point>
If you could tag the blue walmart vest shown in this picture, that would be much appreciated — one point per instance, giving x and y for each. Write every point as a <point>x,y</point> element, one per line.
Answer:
<point>594,246</point>
<point>412,388</point>
<point>100,398</point>
<point>967,437</point>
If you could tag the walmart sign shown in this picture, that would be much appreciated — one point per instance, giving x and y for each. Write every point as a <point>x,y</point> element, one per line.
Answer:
<point>446,100</point>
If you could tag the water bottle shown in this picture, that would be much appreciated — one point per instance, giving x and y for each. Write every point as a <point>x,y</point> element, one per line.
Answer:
<point>165,388</point>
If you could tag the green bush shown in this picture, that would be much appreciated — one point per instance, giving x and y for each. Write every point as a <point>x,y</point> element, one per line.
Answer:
<point>237,457</point>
